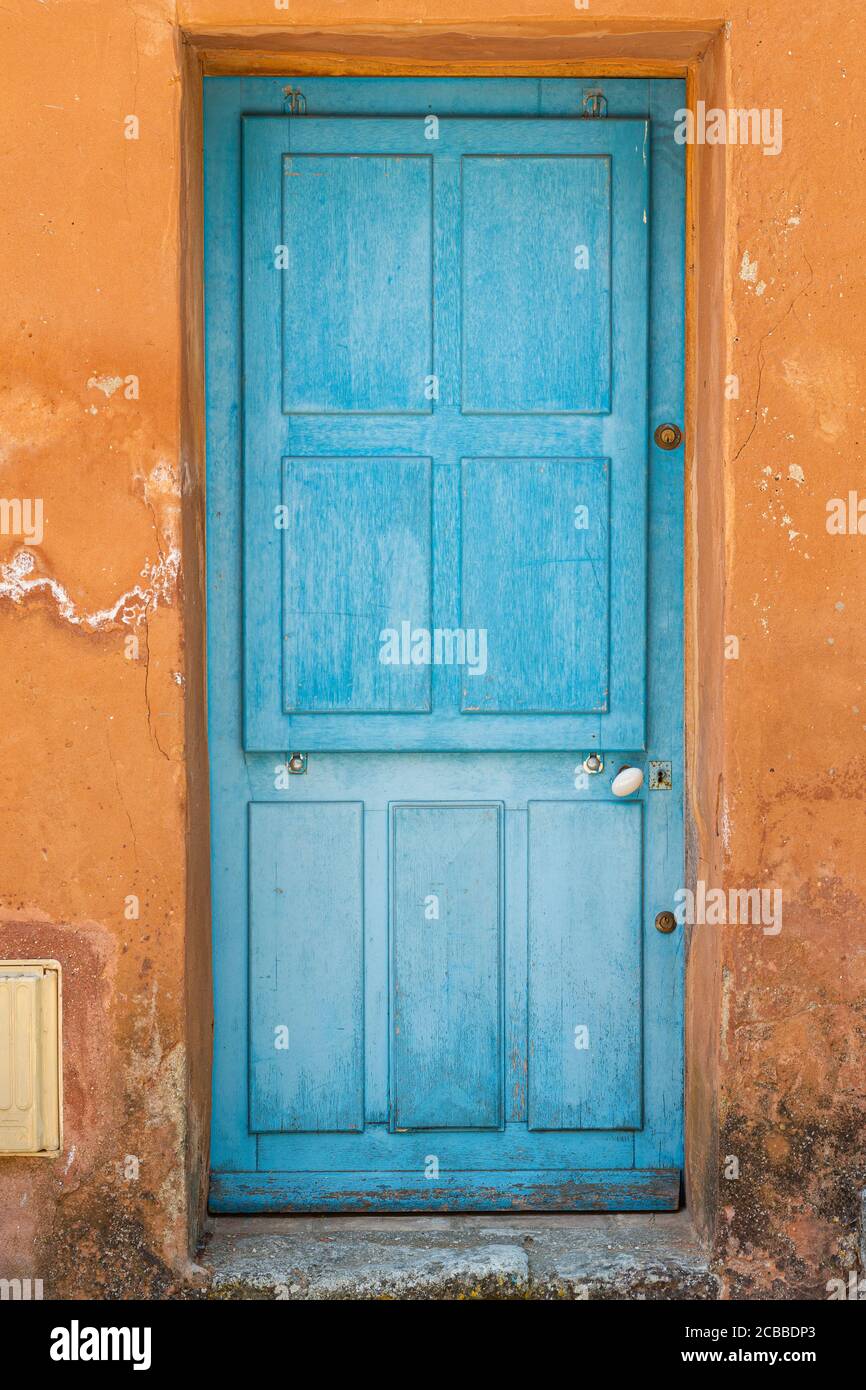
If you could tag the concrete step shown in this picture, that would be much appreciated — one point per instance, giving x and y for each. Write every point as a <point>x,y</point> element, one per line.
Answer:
<point>581,1256</point>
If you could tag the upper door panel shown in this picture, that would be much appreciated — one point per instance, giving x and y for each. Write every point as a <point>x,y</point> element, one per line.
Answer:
<point>445,429</point>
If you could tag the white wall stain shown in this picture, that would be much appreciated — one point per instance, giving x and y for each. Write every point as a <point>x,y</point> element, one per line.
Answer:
<point>725,1013</point>
<point>132,608</point>
<point>106,384</point>
<point>787,225</point>
<point>775,511</point>
<point>749,273</point>
<point>725,826</point>
<point>161,481</point>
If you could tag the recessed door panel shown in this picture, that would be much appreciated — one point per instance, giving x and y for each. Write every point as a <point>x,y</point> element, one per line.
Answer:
<point>306,967</point>
<point>585,965</point>
<point>446,967</point>
<point>541,527</point>
<point>357,310</point>
<point>357,584</point>
<point>536,284</point>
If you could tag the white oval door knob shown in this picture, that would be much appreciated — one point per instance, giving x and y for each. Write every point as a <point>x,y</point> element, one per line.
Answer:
<point>626,781</point>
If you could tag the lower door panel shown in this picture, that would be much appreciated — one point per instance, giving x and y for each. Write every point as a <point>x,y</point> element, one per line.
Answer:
<point>447,989</point>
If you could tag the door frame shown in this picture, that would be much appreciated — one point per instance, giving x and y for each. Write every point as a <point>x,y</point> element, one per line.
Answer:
<point>699,58</point>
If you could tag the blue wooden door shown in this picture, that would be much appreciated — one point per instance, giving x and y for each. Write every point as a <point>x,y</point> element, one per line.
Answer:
<point>444,571</point>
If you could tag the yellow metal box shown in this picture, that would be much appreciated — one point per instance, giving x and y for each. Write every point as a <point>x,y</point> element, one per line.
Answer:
<point>30,1065</point>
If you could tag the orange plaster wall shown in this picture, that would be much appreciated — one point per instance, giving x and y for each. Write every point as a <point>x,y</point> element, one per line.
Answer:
<point>94,743</point>
<point>778,733</point>
<point>104,786</point>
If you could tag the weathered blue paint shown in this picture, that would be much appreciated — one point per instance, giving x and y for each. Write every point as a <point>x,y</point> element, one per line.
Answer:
<point>521,1190</point>
<point>527,224</point>
<point>584,922</point>
<point>414,1036</point>
<point>356,288</point>
<point>565,394</point>
<point>306,966</point>
<point>446,967</point>
<point>548,613</point>
<point>357,558</point>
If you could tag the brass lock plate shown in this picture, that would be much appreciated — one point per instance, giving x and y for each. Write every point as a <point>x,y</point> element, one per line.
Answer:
<point>668,436</point>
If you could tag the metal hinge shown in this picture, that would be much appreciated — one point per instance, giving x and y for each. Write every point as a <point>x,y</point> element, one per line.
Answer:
<point>294,101</point>
<point>594,102</point>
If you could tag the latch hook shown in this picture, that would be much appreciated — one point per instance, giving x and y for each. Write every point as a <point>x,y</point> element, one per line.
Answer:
<point>294,101</point>
<point>594,102</point>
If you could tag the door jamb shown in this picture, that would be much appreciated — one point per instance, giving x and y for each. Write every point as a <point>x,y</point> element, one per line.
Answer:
<point>391,51</point>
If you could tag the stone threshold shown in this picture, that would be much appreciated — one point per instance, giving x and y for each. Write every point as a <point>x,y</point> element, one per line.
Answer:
<point>501,1256</point>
